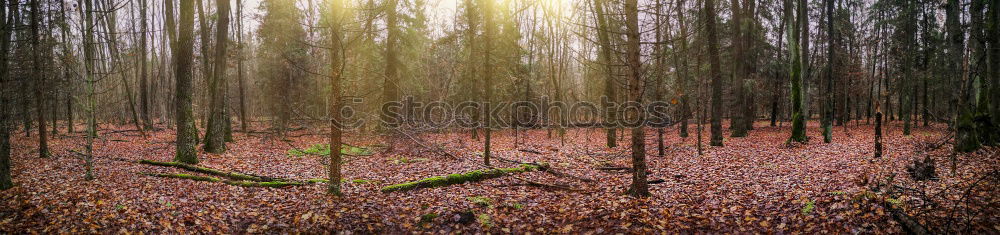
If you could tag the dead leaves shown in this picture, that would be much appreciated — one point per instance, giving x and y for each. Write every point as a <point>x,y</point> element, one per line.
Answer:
<point>753,184</point>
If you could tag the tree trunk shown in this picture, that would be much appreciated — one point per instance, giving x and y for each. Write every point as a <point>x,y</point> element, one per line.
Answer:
<point>39,80</point>
<point>87,27</point>
<point>993,72</point>
<point>750,68</point>
<point>183,56</point>
<point>639,188</point>
<point>682,69</point>
<point>965,136</point>
<point>878,134</point>
<point>776,92</point>
<point>390,85</point>
<point>239,66</point>
<point>659,73</point>
<point>908,83</point>
<point>831,62</point>
<point>488,30</point>
<point>215,141</point>
<point>609,84</point>
<point>336,64</point>
<point>5,32</point>
<point>206,66</point>
<point>795,69</point>
<point>715,72</point>
<point>143,77</point>
<point>736,124</point>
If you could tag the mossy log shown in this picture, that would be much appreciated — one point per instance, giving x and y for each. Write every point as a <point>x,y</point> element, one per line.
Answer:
<point>242,183</point>
<point>210,171</point>
<point>472,176</point>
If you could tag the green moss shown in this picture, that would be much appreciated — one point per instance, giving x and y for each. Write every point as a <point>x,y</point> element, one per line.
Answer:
<point>966,139</point>
<point>808,208</point>
<point>313,181</point>
<point>362,181</point>
<point>481,201</point>
<point>798,128</point>
<point>427,218</point>
<point>484,220</point>
<point>894,201</point>
<point>400,187</point>
<point>404,160</point>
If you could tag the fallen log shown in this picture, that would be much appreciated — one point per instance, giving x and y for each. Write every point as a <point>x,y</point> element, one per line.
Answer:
<point>210,171</point>
<point>472,176</point>
<point>910,224</point>
<point>242,183</point>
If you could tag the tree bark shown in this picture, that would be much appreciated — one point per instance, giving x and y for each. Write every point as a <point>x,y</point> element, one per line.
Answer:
<point>609,84</point>
<point>239,66</point>
<point>5,33</point>
<point>715,72</point>
<point>831,62</point>
<point>87,27</point>
<point>390,85</point>
<point>183,55</point>
<point>336,65</point>
<point>737,124</point>
<point>489,28</point>
<point>215,141</point>
<point>39,79</point>
<point>804,70</point>
<point>682,69</point>
<point>143,77</point>
<point>639,187</point>
<point>795,72</point>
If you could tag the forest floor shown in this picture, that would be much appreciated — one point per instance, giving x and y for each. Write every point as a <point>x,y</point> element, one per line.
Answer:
<point>757,183</point>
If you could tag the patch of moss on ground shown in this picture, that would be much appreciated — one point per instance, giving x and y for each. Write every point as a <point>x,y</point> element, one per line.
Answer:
<point>405,160</point>
<point>324,150</point>
<point>480,201</point>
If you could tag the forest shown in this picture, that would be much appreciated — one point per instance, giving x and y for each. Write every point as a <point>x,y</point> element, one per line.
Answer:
<point>500,116</point>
